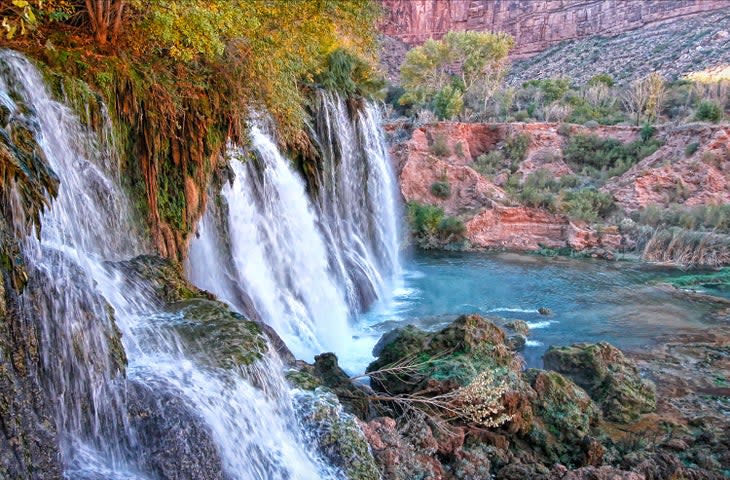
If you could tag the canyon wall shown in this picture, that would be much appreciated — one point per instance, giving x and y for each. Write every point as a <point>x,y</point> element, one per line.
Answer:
<point>535,24</point>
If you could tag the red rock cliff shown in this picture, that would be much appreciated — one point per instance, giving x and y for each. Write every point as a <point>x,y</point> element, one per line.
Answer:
<point>535,24</point>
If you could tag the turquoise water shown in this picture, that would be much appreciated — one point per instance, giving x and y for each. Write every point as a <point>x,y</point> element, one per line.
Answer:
<point>623,303</point>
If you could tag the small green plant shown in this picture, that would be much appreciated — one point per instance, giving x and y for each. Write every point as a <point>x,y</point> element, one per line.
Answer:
<point>440,147</point>
<point>430,226</point>
<point>459,150</point>
<point>691,149</point>
<point>441,190</point>
<point>708,111</point>
<point>448,103</point>
<point>588,204</point>
<point>490,163</point>
<point>647,131</point>
<point>515,147</point>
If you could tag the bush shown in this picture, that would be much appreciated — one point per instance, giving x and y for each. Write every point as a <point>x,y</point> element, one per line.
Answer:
<point>608,157</point>
<point>592,124</point>
<point>440,146</point>
<point>588,204</point>
<point>708,111</point>
<point>451,226</point>
<point>441,190</point>
<point>448,103</point>
<point>691,149</point>
<point>490,163</point>
<point>601,78</point>
<point>647,131</point>
<point>431,228</point>
<point>515,147</point>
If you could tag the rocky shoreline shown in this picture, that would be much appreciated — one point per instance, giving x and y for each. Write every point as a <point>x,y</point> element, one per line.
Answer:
<point>458,404</point>
<point>450,155</point>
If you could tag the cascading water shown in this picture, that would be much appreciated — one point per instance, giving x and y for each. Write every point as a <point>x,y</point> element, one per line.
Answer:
<point>356,200</point>
<point>307,267</point>
<point>71,288</point>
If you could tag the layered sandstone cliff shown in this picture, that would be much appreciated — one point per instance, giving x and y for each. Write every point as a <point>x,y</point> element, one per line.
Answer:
<point>495,219</point>
<point>535,24</point>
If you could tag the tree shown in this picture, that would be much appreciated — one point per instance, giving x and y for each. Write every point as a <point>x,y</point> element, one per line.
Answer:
<point>645,97</point>
<point>448,103</point>
<point>656,92</point>
<point>106,19</point>
<point>635,99</point>
<point>476,60</point>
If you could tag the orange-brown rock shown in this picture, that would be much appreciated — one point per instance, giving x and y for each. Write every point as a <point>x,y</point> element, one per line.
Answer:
<point>671,176</point>
<point>494,220</point>
<point>535,24</point>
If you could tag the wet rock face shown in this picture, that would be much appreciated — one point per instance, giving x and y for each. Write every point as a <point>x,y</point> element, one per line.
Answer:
<point>336,434</point>
<point>608,376</point>
<point>211,331</point>
<point>173,441</point>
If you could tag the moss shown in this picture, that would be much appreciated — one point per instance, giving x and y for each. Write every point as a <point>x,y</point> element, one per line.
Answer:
<point>337,435</point>
<point>303,380</point>
<point>213,332</point>
<point>611,379</point>
<point>217,335</point>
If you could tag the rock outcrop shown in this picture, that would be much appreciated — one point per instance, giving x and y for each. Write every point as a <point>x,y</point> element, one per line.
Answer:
<point>494,219</point>
<point>535,25</point>
<point>456,404</point>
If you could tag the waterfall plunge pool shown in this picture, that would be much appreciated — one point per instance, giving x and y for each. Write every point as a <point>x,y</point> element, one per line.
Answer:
<point>623,303</point>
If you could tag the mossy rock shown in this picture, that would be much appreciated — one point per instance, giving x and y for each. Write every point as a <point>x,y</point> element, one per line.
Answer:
<point>163,276</point>
<point>567,411</point>
<point>611,379</point>
<point>303,380</point>
<point>211,331</point>
<point>443,360</point>
<point>519,326</point>
<point>214,333</point>
<point>337,435</point>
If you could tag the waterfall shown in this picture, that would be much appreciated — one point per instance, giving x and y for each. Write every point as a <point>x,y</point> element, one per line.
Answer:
<point>357,200</point>
<point>307,267</point>
<point>77,298</point>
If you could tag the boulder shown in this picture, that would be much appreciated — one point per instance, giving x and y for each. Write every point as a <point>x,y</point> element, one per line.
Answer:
<point>611,379</point>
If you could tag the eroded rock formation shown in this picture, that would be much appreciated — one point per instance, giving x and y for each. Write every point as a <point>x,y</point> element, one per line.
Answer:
<point>535,24</point>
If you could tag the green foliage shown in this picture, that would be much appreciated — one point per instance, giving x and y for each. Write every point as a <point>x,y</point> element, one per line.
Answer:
<point>552,89</point>
<point>480,60</point>
<point>515,147</point>
<point>700,217</point>
<point>588,204</point>
<point>348,74</point>
<point>440,146</point>
<point>431,228</point>
<point>647,131</point>
<point>597,157</point>
<point>448,103</point>
<point>491,163</point>
<point>441,190</point>
<point>708,111</point>
<point>691,148</point>
<point>601,78</point>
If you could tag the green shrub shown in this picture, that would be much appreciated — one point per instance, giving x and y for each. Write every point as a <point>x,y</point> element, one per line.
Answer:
<point>431,228</point>
<point>448,103</point>
<point>608,157</point>
<point>569,181</point>
<point>647,131</point>
<point>515,147</point>
<point>588,204</point>
<point>708,111</point>
<point>441,189</point>
<point>691,149</point>
<point>451,226</point>
<point>440,146</point>
<point>603,78</point>
<point>552,89</point>
<point>490,163</point>
<point>700,217</point>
